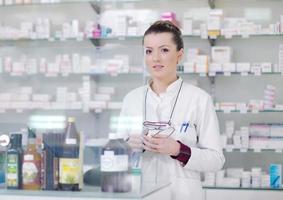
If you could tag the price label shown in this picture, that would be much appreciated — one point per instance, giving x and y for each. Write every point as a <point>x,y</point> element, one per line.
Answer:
<point>257,150</point>
<point>19,110</point>
<point>278,150</point>
<point>98,110</point>
<point>227,111</point>
<point>245,36</point>
<point>228,36</point>
<point>254,111</point>
<point>243,150</point>
<point>51,39</point>
<point>257,73</point>
<point>228,149</point>
<point>243,111</point>
<point>227,73</point>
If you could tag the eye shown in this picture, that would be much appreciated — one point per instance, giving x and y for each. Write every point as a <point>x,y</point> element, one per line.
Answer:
<point>164,50</point>
<point>148,51</point>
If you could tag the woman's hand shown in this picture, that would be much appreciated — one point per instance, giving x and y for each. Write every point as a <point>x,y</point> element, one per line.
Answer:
<point>135,142</point>
<point>161,144</point>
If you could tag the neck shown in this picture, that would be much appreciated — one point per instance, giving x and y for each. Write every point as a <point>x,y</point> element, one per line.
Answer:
<point>160,86</point>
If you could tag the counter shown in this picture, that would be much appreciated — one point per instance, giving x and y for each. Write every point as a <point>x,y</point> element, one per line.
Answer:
<point>148,192</point>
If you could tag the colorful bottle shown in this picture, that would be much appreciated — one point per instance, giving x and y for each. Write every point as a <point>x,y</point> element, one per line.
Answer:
<point>115,173</point>
<point>31,168</point>
<point>14,162</point>
<point>69,163</point>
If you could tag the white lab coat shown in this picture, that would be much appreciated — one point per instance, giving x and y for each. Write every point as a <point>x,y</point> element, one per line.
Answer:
<point>194,106</point>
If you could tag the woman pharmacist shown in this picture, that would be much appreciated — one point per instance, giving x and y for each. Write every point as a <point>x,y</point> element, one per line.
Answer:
<point>180,133</point>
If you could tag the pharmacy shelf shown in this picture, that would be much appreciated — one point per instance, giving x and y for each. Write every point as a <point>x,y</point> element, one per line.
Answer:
<point>248,111</point>
<point>244,74</point>
<point>245,150</point>
<point>237,188</point>
<point>247,36</point>
<point>46,2</point>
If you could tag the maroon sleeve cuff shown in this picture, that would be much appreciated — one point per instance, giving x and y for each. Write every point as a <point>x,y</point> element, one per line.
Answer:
<point>184,155</point>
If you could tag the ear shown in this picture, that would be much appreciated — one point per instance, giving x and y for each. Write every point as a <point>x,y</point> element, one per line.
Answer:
<point>180,55</point>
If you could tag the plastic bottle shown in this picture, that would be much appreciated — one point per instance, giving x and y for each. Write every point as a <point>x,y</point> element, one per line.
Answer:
<point>31,168</point>
<point>69,163</point>
<point>115,173</point>
<point>14,162</point>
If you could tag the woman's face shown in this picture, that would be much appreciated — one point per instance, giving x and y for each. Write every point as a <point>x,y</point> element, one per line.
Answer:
<point>161,55</point>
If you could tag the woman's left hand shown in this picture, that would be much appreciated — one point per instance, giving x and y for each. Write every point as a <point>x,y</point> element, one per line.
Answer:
<point>161,144</point>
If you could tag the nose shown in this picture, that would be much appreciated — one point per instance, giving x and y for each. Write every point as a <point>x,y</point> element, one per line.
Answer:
<point>156,56</point>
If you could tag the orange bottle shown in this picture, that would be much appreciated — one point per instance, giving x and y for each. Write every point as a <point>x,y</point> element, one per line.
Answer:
<point>31,164</point>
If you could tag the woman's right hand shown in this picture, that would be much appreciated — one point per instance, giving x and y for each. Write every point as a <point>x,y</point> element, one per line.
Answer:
<point>135,142</point>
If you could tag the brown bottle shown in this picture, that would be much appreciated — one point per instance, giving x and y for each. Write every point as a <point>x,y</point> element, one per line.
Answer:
<point>69,163</point>
<point>31,168</point>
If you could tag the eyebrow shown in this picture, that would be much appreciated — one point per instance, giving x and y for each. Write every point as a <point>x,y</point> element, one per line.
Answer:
<point>165,45</point>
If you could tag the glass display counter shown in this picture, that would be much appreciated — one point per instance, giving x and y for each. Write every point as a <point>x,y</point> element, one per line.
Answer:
<point>148,192</point>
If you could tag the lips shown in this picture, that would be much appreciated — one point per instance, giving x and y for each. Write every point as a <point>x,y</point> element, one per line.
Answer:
<point>158,67</point>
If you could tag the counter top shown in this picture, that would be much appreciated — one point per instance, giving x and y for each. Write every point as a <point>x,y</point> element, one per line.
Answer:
<point>86,193</point>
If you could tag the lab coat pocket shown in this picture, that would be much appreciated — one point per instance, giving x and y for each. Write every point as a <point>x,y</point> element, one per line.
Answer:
<point>188,133</point>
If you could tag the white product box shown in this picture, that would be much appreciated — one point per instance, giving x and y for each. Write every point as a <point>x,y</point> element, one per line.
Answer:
<point>76,105</point>
<point>85,64</point>
<point>229,67</point>
<point>121,25</point>
<point>20,97</point>
<point>5,105</point>
<point>187,23</point>
<point>42,65</point>
<point>5,97</point>
<point>201,68</point>
<point>227,106</point>
<point>259,130</point>
<point>97,104</point>
<point>106,90</point>
<point>26,90</point>
<point>102,97</point>
<point>266,67</point>
<point>31,66</point>
<point>58,105</point>
<point>215,67</point>
<point>52,68</point>
<point>76,63</point>
<point>246,28</point>
<point>256,68</point>
<point>8,2</point>
<point>281,23</point>
<point>8,64</point>
<point>243,67</point>
<point>18,68</point>
<point>221,54</point>
<point>276,130</point>
<point>71,97</point>
<point>189,67</point>
<point>255,104</point>
<point>1,65</point>
<point>214,20</point>
<point>41,97</point>
<point>75,28</point>
<point>114,105</point>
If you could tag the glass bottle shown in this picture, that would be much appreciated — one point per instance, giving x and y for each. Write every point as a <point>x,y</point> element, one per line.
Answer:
<point>14,162</point>
<point>31,168</point>
<point>69,163</point>
<point>115,176</point>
